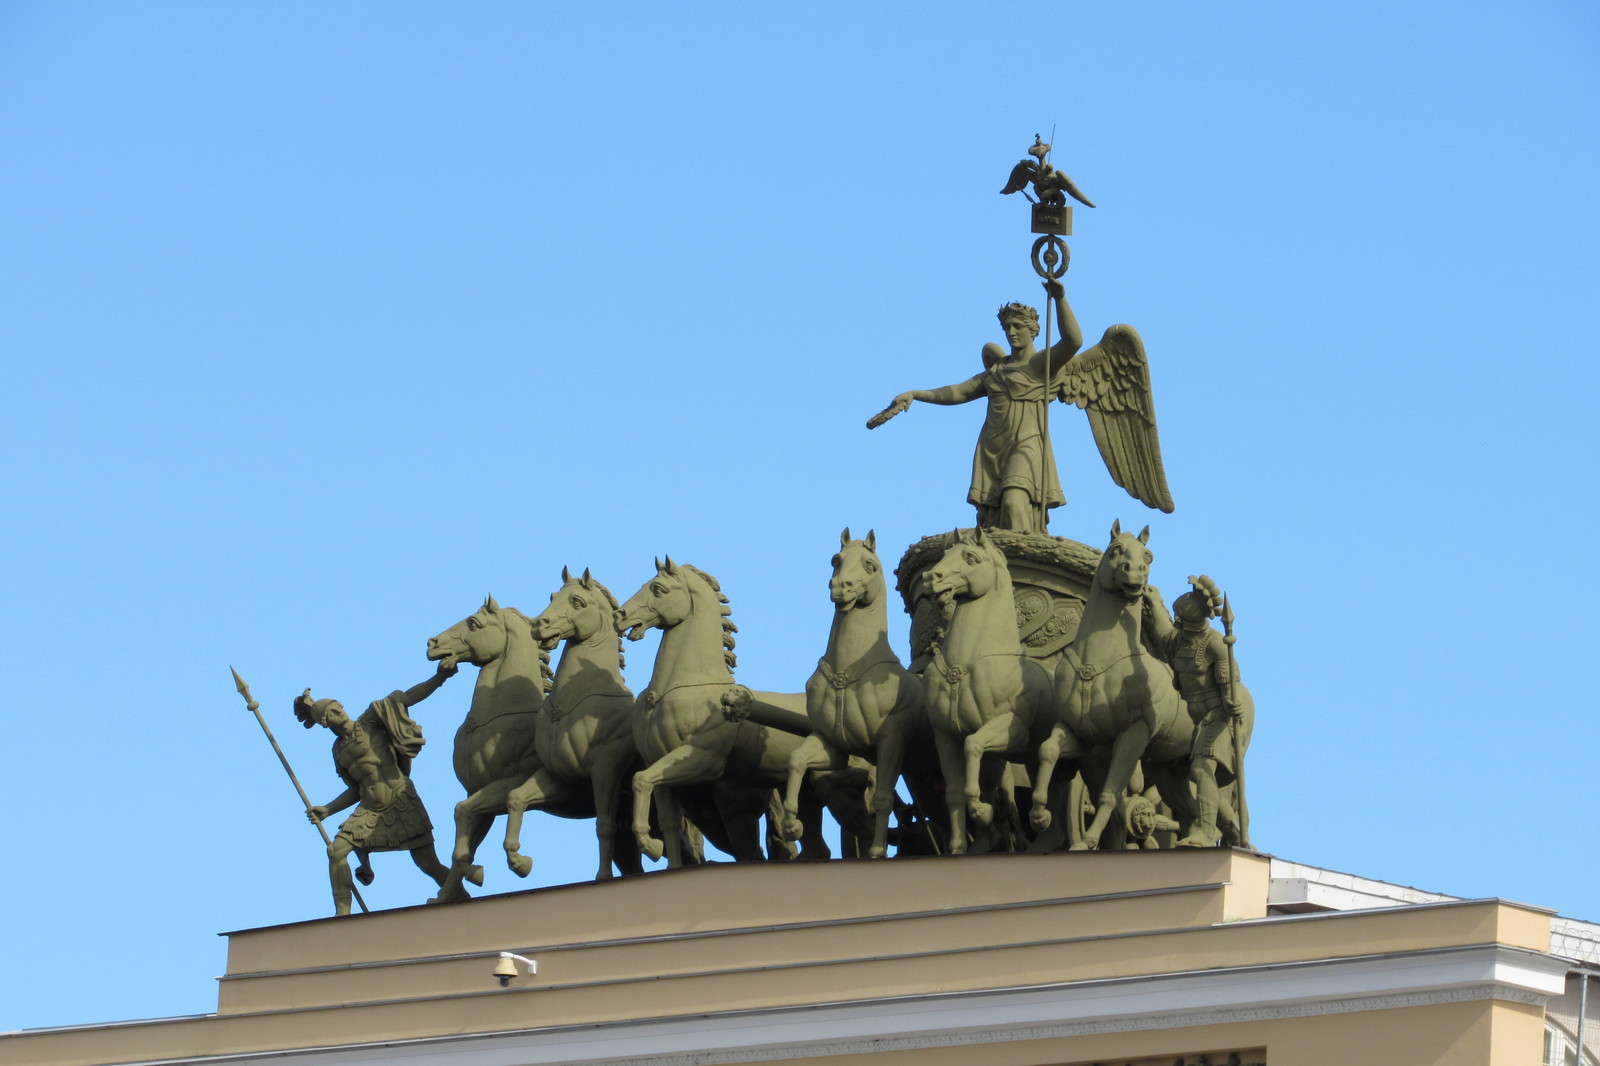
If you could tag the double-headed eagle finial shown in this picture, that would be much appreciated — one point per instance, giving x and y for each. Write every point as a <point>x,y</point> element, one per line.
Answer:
<point>1048,182</point>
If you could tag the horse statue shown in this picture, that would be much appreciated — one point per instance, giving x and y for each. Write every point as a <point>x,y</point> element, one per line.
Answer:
<point>988,702</point>
<point>692,724</point>
<point>1111,691</point>
<point>494,749</point>
<point>861,701</point>
<point>584,740</point>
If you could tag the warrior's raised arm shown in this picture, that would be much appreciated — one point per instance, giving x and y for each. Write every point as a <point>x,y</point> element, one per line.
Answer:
<point>417,693</point>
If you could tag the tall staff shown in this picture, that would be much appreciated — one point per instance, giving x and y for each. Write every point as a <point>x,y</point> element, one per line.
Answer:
<point>255,709</point>
<point>1052,219</point>
<point>1228,638</point>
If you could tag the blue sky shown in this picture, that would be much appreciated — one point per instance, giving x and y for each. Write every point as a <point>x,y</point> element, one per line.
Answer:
<point>321,322</point>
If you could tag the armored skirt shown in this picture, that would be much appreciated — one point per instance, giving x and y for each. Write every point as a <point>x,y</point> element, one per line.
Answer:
<point>399,825</point>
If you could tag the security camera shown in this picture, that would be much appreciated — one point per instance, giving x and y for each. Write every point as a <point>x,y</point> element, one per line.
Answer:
<point>505,967</point>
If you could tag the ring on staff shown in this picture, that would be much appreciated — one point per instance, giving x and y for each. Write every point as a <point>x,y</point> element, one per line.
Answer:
<point>1056,256</point>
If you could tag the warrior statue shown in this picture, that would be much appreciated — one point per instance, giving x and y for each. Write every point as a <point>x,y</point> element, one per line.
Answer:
<point>373,755</point>
<point>1204,670</point>
<point>1013,468</point>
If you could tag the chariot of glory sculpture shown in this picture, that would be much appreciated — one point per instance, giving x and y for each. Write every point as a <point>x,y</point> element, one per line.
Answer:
<point>1051,700</point>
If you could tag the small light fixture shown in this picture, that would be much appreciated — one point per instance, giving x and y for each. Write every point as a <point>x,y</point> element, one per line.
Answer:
<point>505,967</point>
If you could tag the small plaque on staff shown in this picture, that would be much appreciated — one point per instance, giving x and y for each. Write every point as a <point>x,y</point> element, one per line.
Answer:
<point>1053,219</point>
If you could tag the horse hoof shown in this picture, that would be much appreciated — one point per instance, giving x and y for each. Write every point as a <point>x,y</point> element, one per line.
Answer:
<point>1040,818</point>
<point>981,813</point>
<point>450,896</point>
<point>652,848</point>
<point>793,829</point>
<point>520,864</point>
<point>364,874</point>
<point>475,875</point>
<point>877,852</point>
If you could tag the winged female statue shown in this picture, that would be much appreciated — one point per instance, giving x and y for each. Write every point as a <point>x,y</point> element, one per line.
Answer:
<point>1013,468</point>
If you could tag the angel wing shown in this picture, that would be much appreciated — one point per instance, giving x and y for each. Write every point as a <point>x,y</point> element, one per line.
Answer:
<point>1111,382</point>
<point>1072,189</point>
<point>1021,174</point>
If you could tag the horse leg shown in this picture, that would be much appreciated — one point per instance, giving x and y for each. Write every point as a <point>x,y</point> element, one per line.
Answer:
<point>691,843</point>
<point>536,791</point>
<point>474,816</point>
<point>890,756</point>
<point>1056,833</point>
<point>1049,755</point>
<point>1125,753</point>
<point>779,848</point>
<point>843,788</point>
<point>479,833</point>
<point>955,787</point>
<point>814,753</point>
<point>993,775</point>
<point>1002,733</point>
<point>607,766</point>
<point>669,812</point>
<point>684,765</point>
<point>427,860</point>
<point>813,847</point>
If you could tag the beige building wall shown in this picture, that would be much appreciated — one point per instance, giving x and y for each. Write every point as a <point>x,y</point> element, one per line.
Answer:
<point>1022,959</point>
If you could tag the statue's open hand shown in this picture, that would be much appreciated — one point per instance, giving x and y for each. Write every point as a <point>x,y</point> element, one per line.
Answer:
<point>896,406</point>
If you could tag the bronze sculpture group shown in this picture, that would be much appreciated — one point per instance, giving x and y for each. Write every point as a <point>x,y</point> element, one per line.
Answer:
<point>1053,702</point>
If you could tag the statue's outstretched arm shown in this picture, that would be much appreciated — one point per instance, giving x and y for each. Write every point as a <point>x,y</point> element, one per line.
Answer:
<point>417,693</point>
<point>948,396</point>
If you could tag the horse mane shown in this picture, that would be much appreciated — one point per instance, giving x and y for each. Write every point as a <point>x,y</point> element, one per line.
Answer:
<point>547,677</point>
<point>728,628</point>
<point>594,583</point>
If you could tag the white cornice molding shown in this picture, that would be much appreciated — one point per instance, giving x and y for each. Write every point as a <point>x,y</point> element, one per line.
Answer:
<point>1166,1001</point>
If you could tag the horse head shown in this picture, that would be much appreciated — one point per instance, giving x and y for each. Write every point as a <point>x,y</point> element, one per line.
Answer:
<point>578,610</point>
<point>661,603</point>
<point>857,574</point>
<point>676,594</point>
<point>479,639</point>
<point>970,568</point>
<point>1125,566</point>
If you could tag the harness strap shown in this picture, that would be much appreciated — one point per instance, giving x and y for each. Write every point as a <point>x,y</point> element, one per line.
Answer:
<point>1086,672</point>
<point>841,680</point>
<point>955,674</point>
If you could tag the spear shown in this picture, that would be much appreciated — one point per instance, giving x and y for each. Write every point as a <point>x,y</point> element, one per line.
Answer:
<point>1241,810</point>
<point>255,709</point>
